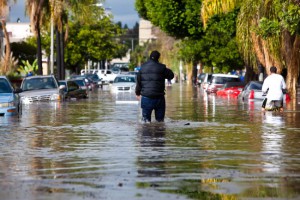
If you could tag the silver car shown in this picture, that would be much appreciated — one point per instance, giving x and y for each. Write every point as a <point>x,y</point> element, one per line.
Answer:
<point>41,88</point>
<point>252,91</point>
<point>123,83</point>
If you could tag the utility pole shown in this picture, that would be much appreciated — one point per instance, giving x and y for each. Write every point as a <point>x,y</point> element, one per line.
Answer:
<point>52,48</point>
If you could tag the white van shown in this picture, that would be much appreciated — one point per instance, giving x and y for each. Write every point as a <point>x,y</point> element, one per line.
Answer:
<point>91,71</point>
<point>107,76</point>
<point>217,81</point>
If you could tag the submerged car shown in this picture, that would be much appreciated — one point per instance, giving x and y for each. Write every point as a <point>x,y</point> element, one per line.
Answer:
<point>81,83</point>
<point>217,81</point>
<point>124,83</point>
<point>252,91</point>
<point>231,89</point>
<point>107,76</point>
<point>73,90</point>
<point>9,98</point>
<point>41,88</point>
<point>88,82</point>
<point>201,78</point>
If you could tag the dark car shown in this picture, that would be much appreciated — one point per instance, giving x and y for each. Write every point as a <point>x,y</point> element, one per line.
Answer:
<point>81,83</point>
<point>205,81</point>
<point>200,78</point>
<point>89,83</point>
<point>72,90</point>
<point>95,78</point>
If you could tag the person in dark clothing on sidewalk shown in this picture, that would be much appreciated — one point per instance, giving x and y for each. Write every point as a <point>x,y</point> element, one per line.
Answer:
<point>150,87</point>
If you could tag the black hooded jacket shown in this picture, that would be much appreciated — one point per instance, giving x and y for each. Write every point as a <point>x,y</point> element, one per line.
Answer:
<point>151,79</point>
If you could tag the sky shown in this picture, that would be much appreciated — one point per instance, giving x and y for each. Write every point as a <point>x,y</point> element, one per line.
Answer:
<point>122,10</point>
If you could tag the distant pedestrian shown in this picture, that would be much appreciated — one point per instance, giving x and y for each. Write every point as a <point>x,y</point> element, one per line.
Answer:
<point>273,85</point>
<point>150,87</point>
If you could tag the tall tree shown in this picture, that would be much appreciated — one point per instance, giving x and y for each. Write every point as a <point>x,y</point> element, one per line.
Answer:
<point>35,10</point>
<point>93,37</point>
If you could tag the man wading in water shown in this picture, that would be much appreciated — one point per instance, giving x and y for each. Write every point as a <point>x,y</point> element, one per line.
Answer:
<point>273,86</point>
<point>150,87</point>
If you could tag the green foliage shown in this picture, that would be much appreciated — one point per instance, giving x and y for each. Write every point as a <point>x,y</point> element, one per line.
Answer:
<point>179,19</point>
<point>218,47</point>
<point>286,15</point>
<point>94,41</point>
<point>24,51</point>
<point>27,67</point>
<point>268,28</point>
<point>291,18</point>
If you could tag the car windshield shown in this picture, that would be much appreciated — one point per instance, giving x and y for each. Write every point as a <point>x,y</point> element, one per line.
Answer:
<point>223,80</point>
<point>94,77</point>
<point>4,86</point>
<point>38,83</point>
<point>124,79</point>
<point>79,82</point>
<point>255,86</point>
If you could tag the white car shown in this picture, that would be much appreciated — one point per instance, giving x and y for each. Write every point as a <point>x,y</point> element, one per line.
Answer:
<point>124,83</point>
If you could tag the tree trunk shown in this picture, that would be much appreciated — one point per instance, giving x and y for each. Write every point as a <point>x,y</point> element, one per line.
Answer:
<point>258,48</point>
<point>7,49</point>
<point>250,74</point>
<point>39,50</point>
<point>291,52</point>
<point>62,63</point>
<point>58,57</point>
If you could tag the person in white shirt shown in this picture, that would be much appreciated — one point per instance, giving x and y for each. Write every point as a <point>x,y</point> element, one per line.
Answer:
<point>273,86</point>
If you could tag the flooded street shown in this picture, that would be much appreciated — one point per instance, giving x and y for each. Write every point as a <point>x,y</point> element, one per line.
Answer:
<point>96,148</point>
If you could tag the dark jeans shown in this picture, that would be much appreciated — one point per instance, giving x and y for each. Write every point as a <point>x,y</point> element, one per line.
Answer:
<point>157,104</point>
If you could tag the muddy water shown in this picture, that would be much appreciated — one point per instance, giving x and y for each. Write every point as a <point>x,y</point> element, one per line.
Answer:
<point>208,148</point>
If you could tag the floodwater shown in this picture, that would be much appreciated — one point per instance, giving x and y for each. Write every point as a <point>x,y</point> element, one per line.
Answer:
<point>207,148</point>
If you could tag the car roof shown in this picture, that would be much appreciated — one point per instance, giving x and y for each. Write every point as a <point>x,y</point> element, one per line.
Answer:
<point>256,82</point>
<point>38,76</point>
<point>122,75</point>
<point>233,84</point>
<point>226,75</point>
<point>4,77</point>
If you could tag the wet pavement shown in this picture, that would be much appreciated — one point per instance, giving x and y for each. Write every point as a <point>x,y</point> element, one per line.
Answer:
<point>207,148</point>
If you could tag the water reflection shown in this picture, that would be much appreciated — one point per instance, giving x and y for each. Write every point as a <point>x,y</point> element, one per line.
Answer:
<point>272,141</point>
<point>152,140</point>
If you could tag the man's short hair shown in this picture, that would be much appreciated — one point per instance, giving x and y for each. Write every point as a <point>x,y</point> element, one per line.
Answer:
<point>273,69</point>
<point>154,55</point>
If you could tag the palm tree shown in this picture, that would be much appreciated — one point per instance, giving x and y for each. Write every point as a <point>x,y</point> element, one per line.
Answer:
<point>258,40</point>
<point>35,10</point>
<point>3,12</point>
<point>59,15</point>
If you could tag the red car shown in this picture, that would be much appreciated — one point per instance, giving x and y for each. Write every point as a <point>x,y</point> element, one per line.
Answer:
<point>231,89</point>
